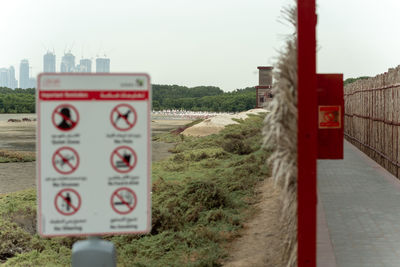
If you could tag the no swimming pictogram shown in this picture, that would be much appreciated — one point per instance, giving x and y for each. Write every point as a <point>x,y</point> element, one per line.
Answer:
<point>123,159</point>
<point>123,200</point>
<point>65,117</point>
<point>123,117</point>
<point>67,201</point>
<point>65,160</point>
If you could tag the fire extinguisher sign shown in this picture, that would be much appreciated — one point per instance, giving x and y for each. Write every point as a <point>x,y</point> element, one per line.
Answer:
<point>94,162</point>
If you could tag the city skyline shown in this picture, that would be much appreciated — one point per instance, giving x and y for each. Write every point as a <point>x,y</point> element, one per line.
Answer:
<point>28,80</point>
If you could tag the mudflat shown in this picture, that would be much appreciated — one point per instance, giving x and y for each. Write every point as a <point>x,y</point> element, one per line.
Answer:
<point>18,136</point>
<point>21,136</point>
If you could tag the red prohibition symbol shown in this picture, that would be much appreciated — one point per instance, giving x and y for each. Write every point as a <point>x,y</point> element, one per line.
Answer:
<point>123,159</point>
<point>123,200</point>
<point>65,117</point>
<point>67,201</point>
<point>65,160</point>
<point>123,117</point>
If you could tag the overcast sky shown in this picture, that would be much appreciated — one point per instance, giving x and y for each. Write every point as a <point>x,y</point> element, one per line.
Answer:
<point>192,42</point>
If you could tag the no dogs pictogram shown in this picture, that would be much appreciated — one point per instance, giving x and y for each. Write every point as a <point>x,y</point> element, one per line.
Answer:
<point>65,117</point>
<point>67,201</point>
<point>123,200</point>
<point>123,117</point>
<point>65,160</point>
<point>123,159</point>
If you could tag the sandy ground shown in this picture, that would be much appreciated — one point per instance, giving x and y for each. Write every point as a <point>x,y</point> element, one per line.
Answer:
<point>261,239</point>
<point>21,136</point>
<point>215,124</point>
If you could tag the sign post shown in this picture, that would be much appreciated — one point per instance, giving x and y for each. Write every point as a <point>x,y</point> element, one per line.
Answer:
<point>94,162</point>
<point>307,133</point>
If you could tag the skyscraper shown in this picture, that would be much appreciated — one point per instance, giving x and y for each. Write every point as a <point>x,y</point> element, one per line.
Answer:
<point>7,78</point>
<point>49,62</point>
<point>12,82</point>
<point>4,77</point>
<point>102,65</point>
<point>85,65</point>
<point>24,74</point>
<point>67,63</point>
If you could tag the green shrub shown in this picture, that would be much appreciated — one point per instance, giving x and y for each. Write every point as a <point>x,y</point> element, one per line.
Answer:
<point>200,197</point>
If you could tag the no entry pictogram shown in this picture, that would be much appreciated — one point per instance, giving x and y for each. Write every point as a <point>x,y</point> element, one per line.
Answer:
<point>65,117</point>
<point>65,160</point>
<point>67,201</point>
<point>123,200</point>
<point>123,159</point>
<point>123,117</point>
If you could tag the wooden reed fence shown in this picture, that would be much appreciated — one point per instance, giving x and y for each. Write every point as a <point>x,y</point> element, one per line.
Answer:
<point>372,118</point>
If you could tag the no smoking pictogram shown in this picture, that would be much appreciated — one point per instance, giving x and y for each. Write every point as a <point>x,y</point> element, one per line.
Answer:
<point>123,117</point>
<point>123,159</point>
<point>67,201</point>
<point>65,117</point>
<point>65,160</point>
<point>329,117</point>
<point>123,200</point>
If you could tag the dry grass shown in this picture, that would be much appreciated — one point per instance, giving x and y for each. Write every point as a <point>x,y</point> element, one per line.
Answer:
<point>280,135</point>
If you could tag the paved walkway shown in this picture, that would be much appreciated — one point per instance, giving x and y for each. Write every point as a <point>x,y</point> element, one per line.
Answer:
<point>361,204</point>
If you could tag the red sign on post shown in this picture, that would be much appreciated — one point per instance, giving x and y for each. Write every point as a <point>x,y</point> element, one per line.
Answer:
<point>330,116</point>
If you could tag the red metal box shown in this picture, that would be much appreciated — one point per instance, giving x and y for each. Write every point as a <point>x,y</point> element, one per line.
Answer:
<point>330,116</point>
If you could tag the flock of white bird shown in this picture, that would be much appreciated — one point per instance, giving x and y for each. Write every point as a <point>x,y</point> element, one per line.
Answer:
<point>184,114</point>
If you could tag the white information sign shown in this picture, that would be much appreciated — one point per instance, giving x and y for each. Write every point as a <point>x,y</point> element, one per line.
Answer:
<point>94,162</point>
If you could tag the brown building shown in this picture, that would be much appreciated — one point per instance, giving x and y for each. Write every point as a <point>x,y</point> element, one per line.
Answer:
<point>264,86</point>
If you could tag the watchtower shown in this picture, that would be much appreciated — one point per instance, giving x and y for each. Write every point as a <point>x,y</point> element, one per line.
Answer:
<point>264,86</point>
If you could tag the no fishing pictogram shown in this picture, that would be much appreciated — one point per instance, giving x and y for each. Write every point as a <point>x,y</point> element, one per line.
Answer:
<point>65,160</point>
<point>65,117</point>
<point>123,159</point>
<point>123,200</point>
<point>67,201</point>
<point>123,117</point>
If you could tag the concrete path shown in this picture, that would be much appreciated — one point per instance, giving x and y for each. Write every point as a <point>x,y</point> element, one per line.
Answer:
<point>361,204</point>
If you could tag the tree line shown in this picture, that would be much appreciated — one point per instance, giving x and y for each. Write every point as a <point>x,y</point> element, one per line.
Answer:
<point>200,98</point>
<point>352,80</point>
<point>17,101</point>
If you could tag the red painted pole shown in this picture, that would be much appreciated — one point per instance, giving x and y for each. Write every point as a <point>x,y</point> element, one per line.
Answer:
<point>307,133</point>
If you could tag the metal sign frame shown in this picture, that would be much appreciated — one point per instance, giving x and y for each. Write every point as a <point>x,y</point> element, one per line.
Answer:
<point>307,133</point>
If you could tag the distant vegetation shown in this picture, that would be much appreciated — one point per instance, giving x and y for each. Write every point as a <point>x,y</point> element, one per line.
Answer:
<point>201,98</point>
<point>17,101</point>
<point>352,80</point>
